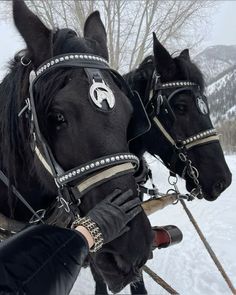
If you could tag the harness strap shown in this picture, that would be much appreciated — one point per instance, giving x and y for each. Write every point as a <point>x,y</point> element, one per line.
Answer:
<point>203,141</point>
<point>103,176</point>
<point>43,160</point>
<point>163,130</point>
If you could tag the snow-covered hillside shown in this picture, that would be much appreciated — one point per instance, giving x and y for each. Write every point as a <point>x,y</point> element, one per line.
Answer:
<point>214,60</point>
<point>187,267</point>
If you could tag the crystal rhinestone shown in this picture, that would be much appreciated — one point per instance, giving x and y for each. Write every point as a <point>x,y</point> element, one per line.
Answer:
<point>61,58</point>
<point>56,60</point>
<point>117,158</point>
<point>184,142</point>
<point>70,175</point>
<point>66,57</point>
<point>60,179</point>
<point>194,137</point>
<point>85,56</point>
<point>90,57</point>
<point>66,176</point>
<point>44,67</point>
<point>74,173</point>
<point>78,171</point>
<point>122,157</point>
<point>72,57</point>
<point>52,62</point>
<point>82,169</point>
<point>76,56</point>
<point>112,159</point>
<point>107,160</point>
<point>97,58</point>
<point>81,56</point>
<point>37,73</point>
<point>48,65</point>
<point>126,157</point>
<point>92,165</point>
<point>102,162</point>
<point>97,163</point>
<point>87,167</point>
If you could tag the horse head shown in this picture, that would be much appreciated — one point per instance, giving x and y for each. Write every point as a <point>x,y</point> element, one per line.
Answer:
<point>182,133</point>
<point>76,124</point>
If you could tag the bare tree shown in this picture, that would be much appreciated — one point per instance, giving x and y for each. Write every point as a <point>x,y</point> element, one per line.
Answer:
<point>129,24</point>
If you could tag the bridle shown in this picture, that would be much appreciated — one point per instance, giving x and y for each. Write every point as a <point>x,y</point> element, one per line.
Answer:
<point>158,98</point>
<point>73,184</point>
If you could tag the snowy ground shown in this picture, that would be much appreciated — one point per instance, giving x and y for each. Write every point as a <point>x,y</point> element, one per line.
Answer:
<point>187,267</point>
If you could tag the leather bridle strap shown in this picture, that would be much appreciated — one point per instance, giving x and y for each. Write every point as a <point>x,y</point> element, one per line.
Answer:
<point>198,139</point>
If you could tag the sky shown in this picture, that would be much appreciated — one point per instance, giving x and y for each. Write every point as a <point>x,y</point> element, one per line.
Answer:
<point>222,30</point>
<point>223,25</point>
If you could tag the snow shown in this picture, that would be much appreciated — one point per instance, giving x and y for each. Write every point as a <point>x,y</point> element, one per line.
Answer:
<point>187,267</point>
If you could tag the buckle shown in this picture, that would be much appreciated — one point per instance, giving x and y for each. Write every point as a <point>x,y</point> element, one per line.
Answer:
<point>64,204</point>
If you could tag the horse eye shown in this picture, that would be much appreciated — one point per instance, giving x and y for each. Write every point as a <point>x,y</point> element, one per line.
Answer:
<point>57,120</point>
<point>180,108</point>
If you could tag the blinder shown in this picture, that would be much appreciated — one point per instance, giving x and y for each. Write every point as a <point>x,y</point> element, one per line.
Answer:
<point>139,123</point>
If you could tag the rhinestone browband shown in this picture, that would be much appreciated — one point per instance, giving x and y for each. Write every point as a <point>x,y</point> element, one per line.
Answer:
<point>177,84</point>
<point>70,57</point>
<point>97,165</point>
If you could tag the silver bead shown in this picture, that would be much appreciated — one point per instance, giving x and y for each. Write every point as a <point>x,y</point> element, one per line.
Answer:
<point>112,159</point>
<point>92,165</point>
<point>102,162</point>
<point>82,169</point>
<point>78,171</point>
<point>72,57</point>
<point>66,57</point>
<point>87,167</point>
<point>107,160</point>
<point>56,60</point>
<point>117,158</point>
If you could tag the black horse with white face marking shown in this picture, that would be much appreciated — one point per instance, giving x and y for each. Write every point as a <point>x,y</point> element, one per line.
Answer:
<point>172,92</point>
<point>69,135</point>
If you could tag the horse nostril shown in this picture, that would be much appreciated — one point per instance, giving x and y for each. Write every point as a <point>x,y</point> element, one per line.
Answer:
<point>219,187</point>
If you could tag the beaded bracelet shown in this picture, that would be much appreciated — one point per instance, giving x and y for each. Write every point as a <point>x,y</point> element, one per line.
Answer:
<point>93,229</point>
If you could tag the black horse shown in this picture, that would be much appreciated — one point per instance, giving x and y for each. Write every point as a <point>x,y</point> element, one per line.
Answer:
<point>182,134</point>
<point>75,116</point>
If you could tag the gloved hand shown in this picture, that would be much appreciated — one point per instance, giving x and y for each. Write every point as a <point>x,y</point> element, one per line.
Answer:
<point>114,212</point>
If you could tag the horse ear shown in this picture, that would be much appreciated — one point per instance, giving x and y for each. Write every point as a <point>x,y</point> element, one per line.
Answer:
<point>185,54</point>
<point>164,63</point>
<point>36,35</point>
<point>95,30</point>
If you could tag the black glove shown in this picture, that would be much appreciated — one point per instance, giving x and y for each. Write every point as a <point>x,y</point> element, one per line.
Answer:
<point>113,213</point>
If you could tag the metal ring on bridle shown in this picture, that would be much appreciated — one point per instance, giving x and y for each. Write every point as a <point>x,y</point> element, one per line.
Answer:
<point>25,64</point>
